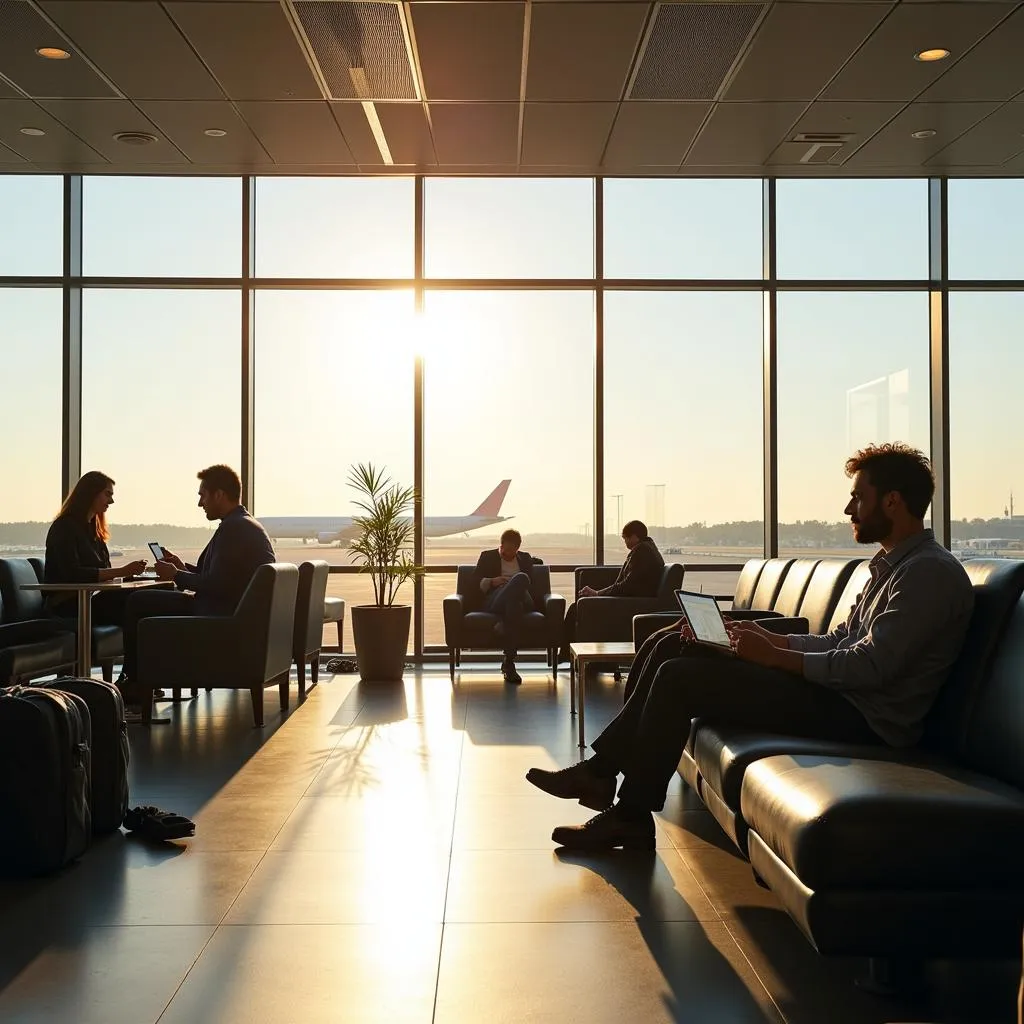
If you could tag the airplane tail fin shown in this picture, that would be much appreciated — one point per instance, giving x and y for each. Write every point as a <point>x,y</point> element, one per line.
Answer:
<point>491,505</point>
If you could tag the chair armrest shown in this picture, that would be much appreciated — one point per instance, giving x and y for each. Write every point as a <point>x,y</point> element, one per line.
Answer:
<point>611,618</point>
<point>746,614</point>
<point>554,611</point>
<point>33,631</point>
<point>784,624</point>
<point>596,576</point>
<point>196,647</point>
<point>454,608</point>
<point>646,625</point>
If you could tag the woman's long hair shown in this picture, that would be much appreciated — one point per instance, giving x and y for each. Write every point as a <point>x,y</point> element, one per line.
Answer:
<point>83,494</point>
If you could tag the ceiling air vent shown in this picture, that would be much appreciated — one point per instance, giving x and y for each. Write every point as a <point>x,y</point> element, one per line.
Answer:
<point>135,138</point>
<point>821,146</point>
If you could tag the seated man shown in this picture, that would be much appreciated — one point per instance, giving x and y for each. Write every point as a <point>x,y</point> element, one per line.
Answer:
<point>215,584</point>
<point>871,680</point>
<point>502,575</point>
<point>639,577</point>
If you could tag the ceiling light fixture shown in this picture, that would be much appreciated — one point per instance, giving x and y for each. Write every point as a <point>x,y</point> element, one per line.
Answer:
<point>362,88</point>
<point>53,53</point>
<point>32,131</point>
<point>924,133</point>
<point>929,55</point>
<point>215,133</point>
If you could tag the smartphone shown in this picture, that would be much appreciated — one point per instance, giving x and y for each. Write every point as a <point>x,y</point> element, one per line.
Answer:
<point>155,550</point>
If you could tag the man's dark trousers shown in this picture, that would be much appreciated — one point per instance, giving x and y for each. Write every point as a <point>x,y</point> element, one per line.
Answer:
<point>145,604</point>
<point>510,602</point>
<point>646,739</point>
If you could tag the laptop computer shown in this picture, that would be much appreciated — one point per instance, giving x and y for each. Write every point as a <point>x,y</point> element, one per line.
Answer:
<point>705,620</point>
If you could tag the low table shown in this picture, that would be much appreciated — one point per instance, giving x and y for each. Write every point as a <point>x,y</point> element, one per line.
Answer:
<point>582,655</point>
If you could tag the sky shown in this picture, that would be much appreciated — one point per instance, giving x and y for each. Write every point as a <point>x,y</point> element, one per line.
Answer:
<point>509,374</point>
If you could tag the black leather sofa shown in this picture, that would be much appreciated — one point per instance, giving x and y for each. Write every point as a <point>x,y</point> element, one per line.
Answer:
<point>885,852</point>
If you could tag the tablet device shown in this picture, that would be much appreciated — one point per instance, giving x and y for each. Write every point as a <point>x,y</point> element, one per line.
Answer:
<point>155,550</point>
<point>705,620</point>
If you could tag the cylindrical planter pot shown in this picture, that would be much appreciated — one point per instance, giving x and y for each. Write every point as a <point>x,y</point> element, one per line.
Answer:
<point>381,637</point>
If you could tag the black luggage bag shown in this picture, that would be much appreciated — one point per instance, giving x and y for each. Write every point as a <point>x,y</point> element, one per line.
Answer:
<point>44,779</point>
<point>108,797</point>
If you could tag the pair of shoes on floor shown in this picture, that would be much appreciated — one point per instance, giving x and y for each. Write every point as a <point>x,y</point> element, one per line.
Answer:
<point>509,673</point>
<point>612,829</point>
<point>341,665</point>
<point>579,782</point>
<point>150,822</point>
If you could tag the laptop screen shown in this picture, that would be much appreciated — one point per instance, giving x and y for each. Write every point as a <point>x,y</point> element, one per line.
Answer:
<point>704,617</point>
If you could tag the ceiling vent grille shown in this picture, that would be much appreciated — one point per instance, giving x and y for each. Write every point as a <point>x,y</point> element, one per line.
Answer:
<point>821,146</point>
<point>690,49</point>
<point>360,48</point>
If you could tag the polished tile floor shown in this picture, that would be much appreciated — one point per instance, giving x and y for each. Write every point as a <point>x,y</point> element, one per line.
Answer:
<point>375,855</point>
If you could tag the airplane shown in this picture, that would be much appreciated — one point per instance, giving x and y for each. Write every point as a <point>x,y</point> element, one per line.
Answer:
<point>338,529</point>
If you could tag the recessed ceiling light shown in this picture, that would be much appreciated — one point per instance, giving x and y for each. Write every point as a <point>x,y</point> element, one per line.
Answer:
<point>31,131</point>
<point>929,55</point>
<point>924,133</point>
<point>53,53</point>
<point>215,133</point>
<point>135,138</point>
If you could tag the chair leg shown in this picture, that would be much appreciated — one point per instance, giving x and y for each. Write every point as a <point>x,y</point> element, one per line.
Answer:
<point>147,706</point>
<point>107,670</point>
<point>341,635</point>
<point>194,691</point>
<point>257,706</point>
<point>300,665</point>
<point>176,694</point>
<point>314,669</point>
<point>451,663</point>
<point>282,689</point>
<point>554,663</point>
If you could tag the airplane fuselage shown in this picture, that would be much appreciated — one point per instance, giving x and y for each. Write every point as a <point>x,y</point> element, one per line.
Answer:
<point>331,529</point>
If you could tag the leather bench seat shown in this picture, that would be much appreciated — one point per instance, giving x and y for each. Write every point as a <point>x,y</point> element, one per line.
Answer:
<point>843,823</point>
<point>37,657</point>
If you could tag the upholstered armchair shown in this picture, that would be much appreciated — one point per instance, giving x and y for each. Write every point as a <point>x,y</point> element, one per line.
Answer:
<point>610,619</point>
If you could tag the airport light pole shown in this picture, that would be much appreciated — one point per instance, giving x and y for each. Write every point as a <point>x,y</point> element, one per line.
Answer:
<point>618,513</point>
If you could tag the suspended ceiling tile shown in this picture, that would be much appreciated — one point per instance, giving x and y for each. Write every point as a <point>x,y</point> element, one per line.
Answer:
<point>250,47</point>
<point>56,145</point>
<point>8,156</point>
<point>138,48</point>
<point>742,133</point>
<point>582,51</point>
<point>988,144</point>
<point>185,125</point>
<point>22,31</point>
<point>566,134</point>
<point>475,134</point>
<point>885,68</point>
<point>894,146</point>
<point>653,134</point>
<point>97,121</point>
<point>298,132</point>
<point>408,134</point>
<point>858,119</point>
<point>7,90</point>
<point>799,47</point>
<point>993,70</point>
<point>470,51</point>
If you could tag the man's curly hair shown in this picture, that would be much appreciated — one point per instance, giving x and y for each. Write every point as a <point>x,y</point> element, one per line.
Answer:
<point>897,467</point>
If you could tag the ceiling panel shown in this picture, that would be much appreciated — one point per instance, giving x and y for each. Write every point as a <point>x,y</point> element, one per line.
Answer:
<point>185,123</point>
<point>582,51</point>
<point>988,143</point>
<point>250,47</point>
<point>885,69</point>
<point>138,48</point>
<point>22,31</point>
<point>566,134</point>
<point>355,128</point>
<point>7,90</point>
<point>742,133</point>
<point>9,157</point>
<point>894,146</point>
<point>408,134</point>
<point>857,121</point>
<point>470,51</point>
<point>96,121</point>
<point>993,70</point>
<point>473,134</point>
<point>58,144</point>
<point>799,47</point>
<point>653,134</point>
<point>297,133</point>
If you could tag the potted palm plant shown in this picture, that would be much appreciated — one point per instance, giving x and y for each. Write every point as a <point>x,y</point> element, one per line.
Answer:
<point>382,545</point>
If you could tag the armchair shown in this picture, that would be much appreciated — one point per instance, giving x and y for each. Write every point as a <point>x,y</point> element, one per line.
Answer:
<point>465,626</point>
<point>611,618</point>
<point>309,621</point>
<point>249,650</point>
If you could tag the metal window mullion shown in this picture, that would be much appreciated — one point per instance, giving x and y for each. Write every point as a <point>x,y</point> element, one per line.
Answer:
<point>71,370</point>
<point>248,339</point>
<point>599,371</point>
<point>419,544</point>
<point>938,331</point>
<point>770,373</point>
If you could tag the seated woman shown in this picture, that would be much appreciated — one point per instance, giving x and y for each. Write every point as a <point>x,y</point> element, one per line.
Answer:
<point>76,551</point>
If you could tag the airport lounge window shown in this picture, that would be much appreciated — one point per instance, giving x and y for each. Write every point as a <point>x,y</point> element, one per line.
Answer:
<point>986,444</point>
<point>32,217</point>
<point>986,228</point>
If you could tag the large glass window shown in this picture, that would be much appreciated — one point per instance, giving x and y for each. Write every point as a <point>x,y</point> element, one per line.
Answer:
<point>30,458</point>
<point>509,397</point>
<point>683,421</point>
<point>32,215</point>
<point>867,230</point>
<point>162,227</point>
<point>853,370</point>
<point>334,227</point>
<point>986,229</point>
<point>161,399</point>
<point>986,444</point>
<point>509,228</point>
<point>690,228</point>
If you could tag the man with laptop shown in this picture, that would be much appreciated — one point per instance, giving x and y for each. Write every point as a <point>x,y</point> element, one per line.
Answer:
<point>871,680</point>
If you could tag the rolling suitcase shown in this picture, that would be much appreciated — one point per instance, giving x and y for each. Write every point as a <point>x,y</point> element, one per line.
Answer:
<point>44,779</point>
<point>108,798</point>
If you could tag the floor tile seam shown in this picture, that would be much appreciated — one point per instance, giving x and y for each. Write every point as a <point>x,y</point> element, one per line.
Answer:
<point>753,969</point>
<point>185,976</point>
<point>703,889</point>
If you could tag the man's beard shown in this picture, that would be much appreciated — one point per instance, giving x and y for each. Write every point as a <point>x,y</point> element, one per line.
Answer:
<point>875,528</point>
